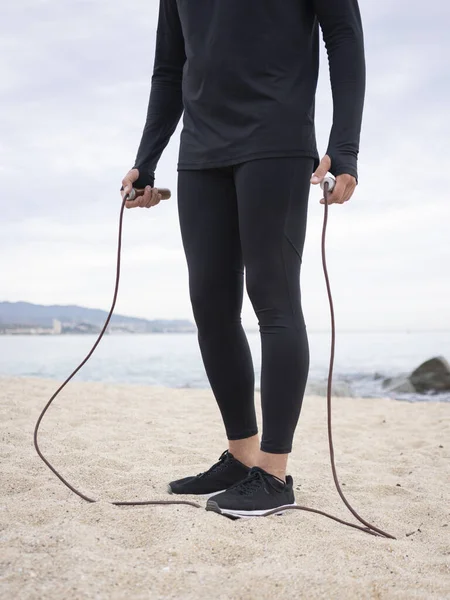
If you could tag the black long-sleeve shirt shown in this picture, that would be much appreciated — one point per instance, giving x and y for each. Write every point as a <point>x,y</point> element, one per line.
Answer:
<point>245,74</point>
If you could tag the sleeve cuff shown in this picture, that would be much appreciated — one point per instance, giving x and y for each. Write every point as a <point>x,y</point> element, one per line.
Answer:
<point>341,165</point>
<point>144,179</point>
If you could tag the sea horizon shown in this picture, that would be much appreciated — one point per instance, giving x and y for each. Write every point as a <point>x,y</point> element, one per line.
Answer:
<point>362,358</point>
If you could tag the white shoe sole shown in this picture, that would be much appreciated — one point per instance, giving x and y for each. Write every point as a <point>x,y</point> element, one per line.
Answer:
<point>250,513</point>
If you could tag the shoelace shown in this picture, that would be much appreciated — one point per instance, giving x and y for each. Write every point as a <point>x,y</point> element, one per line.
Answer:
<point>254,480</point>
<point>217,467</point>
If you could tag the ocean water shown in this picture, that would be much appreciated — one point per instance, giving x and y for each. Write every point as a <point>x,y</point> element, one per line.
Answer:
<point>174,360</point>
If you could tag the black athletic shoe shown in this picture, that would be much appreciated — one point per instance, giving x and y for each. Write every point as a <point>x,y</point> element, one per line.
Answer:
<point>254,496</point>
<point>225,472</point>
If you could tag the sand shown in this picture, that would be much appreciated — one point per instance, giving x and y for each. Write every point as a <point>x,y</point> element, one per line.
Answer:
<point>122,442</point>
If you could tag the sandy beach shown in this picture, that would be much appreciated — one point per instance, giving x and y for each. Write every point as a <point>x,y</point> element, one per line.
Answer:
<point>123,442</point>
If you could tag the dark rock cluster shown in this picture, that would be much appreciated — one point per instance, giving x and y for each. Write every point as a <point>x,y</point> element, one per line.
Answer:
<point>432,376</point>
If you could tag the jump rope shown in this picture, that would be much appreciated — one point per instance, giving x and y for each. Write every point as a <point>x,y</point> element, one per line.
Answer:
<point>327,185</point>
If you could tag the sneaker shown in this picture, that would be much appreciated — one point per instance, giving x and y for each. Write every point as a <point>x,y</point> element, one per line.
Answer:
<point>227,471</point>
<point>257,494</point>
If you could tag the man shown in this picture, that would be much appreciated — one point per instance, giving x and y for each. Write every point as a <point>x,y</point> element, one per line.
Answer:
<point>245,74</point>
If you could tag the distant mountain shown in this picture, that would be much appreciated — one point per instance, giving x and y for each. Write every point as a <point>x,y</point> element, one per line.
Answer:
<point>27,314</point>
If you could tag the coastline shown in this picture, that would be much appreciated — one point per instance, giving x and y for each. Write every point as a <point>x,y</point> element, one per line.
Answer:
<point>126,441</point>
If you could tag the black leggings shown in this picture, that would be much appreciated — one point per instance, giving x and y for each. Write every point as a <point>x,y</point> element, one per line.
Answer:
<point>250,214</point>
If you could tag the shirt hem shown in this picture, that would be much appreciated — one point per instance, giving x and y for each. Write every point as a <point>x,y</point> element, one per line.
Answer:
<point>193,165</point>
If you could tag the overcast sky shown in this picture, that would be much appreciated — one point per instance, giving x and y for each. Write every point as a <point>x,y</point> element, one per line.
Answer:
<point>74,85</point>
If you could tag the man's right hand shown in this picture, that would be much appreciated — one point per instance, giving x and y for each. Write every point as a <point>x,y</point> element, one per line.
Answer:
<point>150,196</point>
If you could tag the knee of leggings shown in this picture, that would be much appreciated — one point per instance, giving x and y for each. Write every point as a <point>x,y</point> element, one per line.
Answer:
<point>265,295</point>
<point>275,305</point>
<point>258,287</point>
<point>202,308</point>
<point>212,312</point>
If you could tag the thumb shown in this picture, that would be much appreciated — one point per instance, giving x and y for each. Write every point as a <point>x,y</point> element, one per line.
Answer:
<point>129,179</point>
<point>321,170</point>
<point>127,185</point>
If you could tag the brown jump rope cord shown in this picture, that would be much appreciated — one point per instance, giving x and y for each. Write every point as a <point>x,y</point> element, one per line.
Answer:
<point>371,529</point>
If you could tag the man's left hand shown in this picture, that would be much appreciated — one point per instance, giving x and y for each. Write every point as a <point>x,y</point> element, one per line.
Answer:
<point>344,187</point>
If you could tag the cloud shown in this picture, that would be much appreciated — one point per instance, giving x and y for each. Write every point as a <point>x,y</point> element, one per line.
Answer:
<point>74,82</point>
